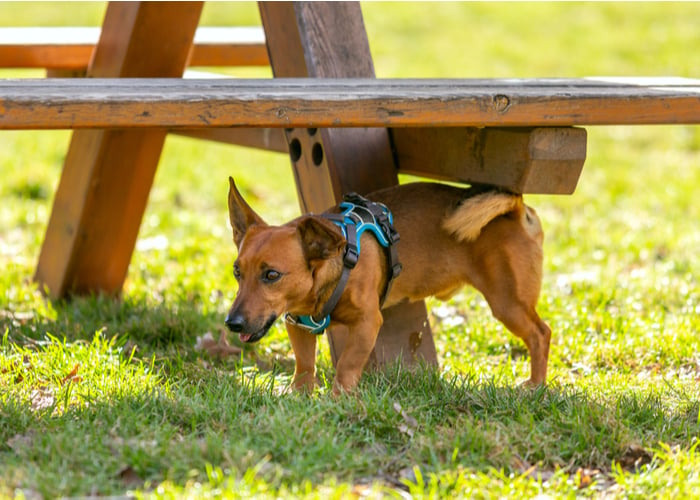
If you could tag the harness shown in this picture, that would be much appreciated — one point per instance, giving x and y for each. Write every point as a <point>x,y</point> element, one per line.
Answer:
<point>357,215</point>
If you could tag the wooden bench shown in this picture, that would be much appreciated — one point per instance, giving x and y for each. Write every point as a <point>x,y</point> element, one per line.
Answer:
<point>539,155</point>
<point>343,130</point>
<point>66,52</point>
<point>537,159</point>
<point>70,48</point>
<point>308,102</point>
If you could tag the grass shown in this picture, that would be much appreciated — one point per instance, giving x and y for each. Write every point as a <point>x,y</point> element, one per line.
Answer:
<point>103,397</point>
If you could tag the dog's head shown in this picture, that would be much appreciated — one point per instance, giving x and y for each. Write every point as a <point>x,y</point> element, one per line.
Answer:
<point>279,268</point>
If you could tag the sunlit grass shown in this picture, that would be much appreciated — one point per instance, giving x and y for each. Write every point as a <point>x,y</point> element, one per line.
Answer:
<point>104,396</point>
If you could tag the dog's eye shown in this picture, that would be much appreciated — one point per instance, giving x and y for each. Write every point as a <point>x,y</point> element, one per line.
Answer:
<point>236,271</point>
<point>270,276</point>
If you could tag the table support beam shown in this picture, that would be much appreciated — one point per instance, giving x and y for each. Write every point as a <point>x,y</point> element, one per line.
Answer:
<point>328,40</point>
<point>108,174</point>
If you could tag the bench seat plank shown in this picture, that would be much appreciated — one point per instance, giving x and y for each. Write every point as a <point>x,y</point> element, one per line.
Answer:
<point>70,48</point>
<point>305,102</point>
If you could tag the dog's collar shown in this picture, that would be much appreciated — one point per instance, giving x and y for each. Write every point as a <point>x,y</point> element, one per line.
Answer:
<point>357,215</point>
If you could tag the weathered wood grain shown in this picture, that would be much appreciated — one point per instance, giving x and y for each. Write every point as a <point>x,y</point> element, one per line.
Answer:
<point>308,102</point>
<point>70,48</point>
<point>268,139</point>
<point>545,160</point>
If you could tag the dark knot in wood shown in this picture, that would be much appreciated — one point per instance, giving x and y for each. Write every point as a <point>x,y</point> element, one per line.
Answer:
<point>501,103</point>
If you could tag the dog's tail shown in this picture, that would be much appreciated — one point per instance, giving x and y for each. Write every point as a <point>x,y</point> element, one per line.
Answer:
<point>473,213</point>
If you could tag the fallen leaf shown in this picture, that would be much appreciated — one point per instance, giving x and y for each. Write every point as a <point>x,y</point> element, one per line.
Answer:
<point>129,477</point>
<point>585,477</point>
<point>634,457</point>
<point>18,371</point>
<point>361,490</point>
<point>19,377</point>
<point>218,349</point>
<point>204,342</point>
<point>72,376</point>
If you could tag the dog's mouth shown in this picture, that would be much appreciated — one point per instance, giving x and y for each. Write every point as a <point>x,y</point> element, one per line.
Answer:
<point>250,338</point>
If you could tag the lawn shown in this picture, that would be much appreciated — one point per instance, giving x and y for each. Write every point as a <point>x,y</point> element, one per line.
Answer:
<point>100,396</point>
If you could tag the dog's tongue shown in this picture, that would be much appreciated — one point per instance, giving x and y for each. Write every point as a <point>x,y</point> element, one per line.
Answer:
<point>245,337</point>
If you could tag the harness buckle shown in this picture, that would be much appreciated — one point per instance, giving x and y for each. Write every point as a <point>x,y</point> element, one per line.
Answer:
<point>351,255</point>
<point>390,232</point>
<point>354,198</point>
<point>396,269</point>
<point>309,323</point>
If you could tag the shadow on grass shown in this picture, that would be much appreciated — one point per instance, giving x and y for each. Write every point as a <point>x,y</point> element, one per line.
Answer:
<point>237,418</point>
<point>80,317</point>
<point>173,413</point>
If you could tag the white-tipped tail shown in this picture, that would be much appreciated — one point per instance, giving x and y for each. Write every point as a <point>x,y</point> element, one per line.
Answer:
<point>469,218</point>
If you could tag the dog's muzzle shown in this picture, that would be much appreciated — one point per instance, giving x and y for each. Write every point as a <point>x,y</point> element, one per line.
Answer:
<point>237,323</point>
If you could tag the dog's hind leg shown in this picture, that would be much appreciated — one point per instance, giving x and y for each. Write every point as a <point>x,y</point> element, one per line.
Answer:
<point>524,322</point>
<point>510,279</point>
<point>521,318</point>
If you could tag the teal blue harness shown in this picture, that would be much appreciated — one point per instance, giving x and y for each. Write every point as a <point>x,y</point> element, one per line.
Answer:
<point>357,215</point>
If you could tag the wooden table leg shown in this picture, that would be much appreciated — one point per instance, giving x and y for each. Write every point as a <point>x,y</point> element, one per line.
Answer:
<point>108,174</point>
<point>320,39</point>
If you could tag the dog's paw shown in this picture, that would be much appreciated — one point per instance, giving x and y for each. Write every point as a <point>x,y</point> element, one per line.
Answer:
<point>531,384</point>
<point>305,383</point>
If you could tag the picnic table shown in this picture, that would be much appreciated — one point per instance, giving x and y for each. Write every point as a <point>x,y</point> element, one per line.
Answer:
<point>343,129</point>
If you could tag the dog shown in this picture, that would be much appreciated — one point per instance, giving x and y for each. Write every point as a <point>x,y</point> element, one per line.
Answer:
<point>447,237</point>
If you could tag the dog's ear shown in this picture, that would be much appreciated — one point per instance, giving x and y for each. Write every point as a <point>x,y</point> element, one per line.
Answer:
<point>318,238</point>
<point>240,213</point>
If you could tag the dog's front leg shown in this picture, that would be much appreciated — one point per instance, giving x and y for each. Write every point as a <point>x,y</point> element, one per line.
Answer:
<point>304,347</point>
<point>361,339</point>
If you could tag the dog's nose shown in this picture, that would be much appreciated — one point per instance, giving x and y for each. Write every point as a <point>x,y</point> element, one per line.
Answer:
<point>235,322</point>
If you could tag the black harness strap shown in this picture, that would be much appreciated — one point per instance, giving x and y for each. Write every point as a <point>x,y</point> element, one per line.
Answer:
<point>349,262</point>
<point>381,215</point>
<point>363,214</point>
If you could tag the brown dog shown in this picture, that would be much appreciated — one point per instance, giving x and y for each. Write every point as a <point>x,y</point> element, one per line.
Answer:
<point>448,237</point>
